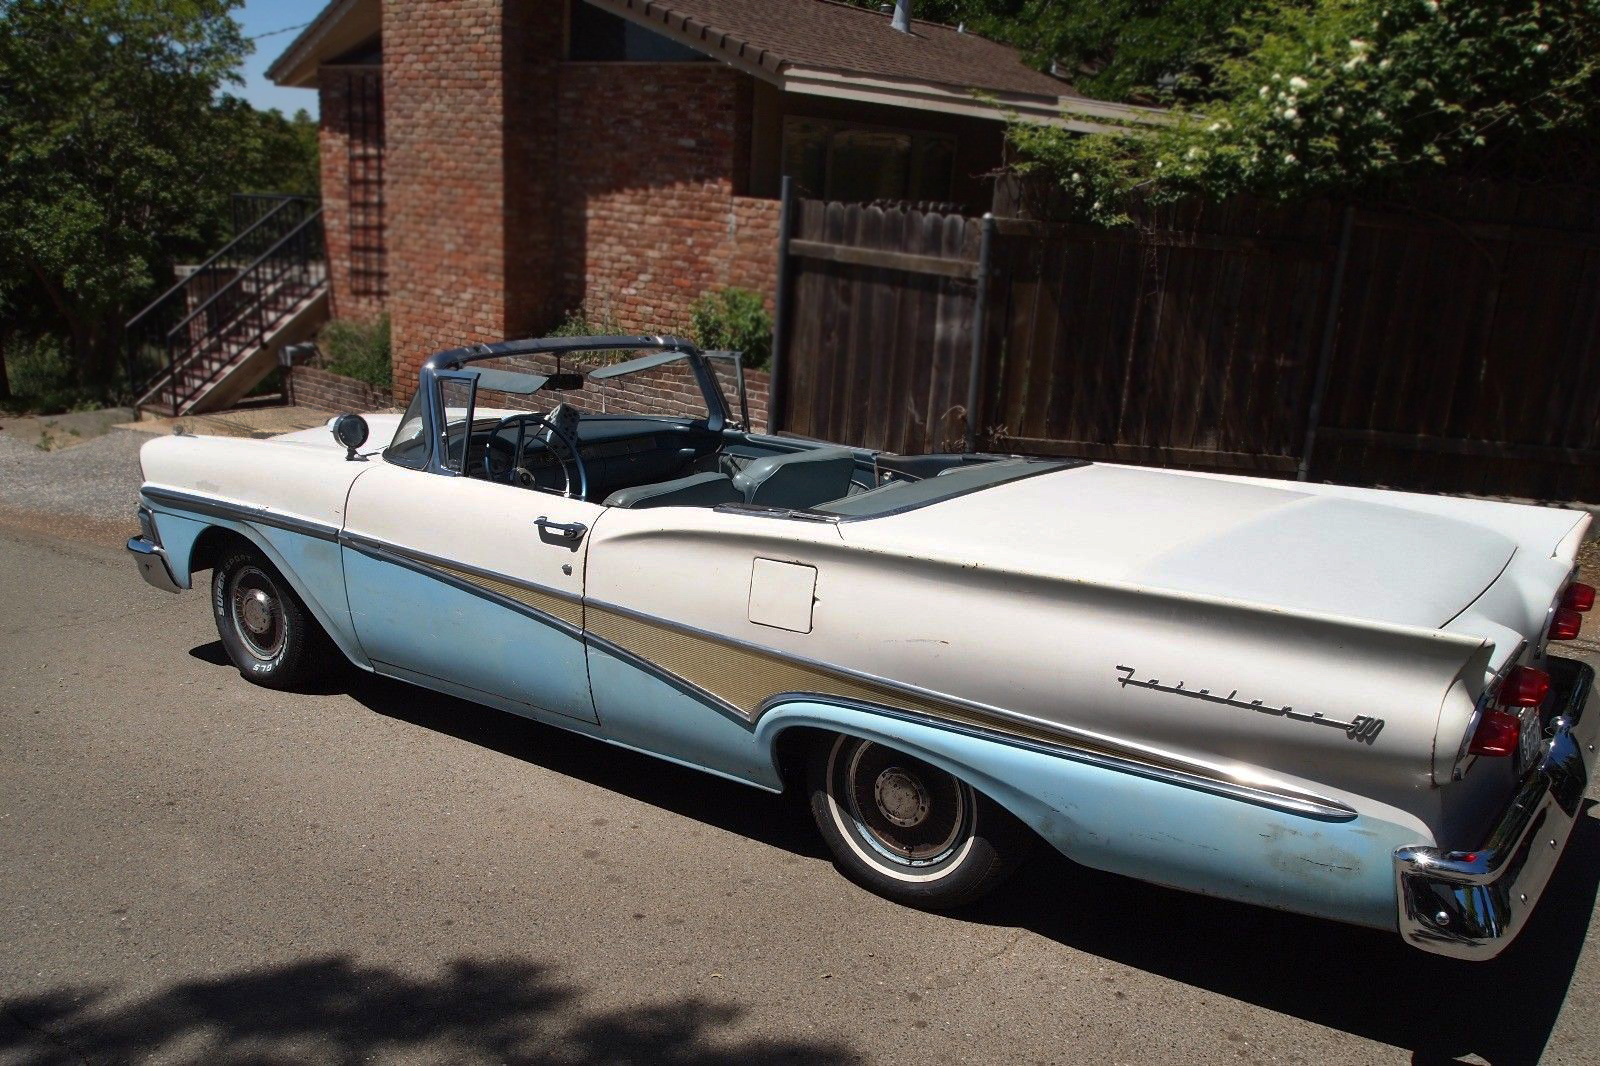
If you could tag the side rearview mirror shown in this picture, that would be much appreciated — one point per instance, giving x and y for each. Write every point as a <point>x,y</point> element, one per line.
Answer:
<point>351,431</point>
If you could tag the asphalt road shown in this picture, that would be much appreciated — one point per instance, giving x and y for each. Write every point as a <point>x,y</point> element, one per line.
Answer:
<point>194,869</point>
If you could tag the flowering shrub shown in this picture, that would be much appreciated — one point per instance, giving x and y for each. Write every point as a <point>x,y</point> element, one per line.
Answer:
<point>1338,96</point>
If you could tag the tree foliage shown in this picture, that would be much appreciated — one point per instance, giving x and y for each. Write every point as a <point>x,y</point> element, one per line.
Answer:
<point>1294,98</point>
<point>120,150</point>
<point>1343,96</point>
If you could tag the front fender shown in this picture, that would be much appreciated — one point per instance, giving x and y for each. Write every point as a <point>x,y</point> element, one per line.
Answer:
<point>1143,826</point>
<point>312,565</point>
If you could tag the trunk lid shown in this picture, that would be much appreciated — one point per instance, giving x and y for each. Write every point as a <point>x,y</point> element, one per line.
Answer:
<point>1268,543</point>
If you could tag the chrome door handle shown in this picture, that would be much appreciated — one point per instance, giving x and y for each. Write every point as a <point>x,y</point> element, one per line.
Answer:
<point>566,530</point>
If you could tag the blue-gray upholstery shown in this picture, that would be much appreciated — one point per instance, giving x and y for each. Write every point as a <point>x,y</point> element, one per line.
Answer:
<point>696,490</point>
<point>798,480</point>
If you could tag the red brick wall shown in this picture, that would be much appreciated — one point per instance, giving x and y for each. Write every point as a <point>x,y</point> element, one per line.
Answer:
<point>520,186</point>
<point>311,386</point>
<point>333,141</point>
<point>652,157</point>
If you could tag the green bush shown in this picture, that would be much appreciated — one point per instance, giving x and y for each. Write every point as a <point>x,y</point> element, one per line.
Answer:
<point>40,374</point>
<point>736,320</point>
<point>358,350</point>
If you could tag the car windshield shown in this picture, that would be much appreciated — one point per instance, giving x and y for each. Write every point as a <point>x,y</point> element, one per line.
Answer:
<point>625,383</point>
<point>408,448</point>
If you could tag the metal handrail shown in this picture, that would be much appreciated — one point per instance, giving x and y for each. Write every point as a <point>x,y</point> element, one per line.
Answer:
<point>212,261</point>
<point>315,216</point>
<point>286,255</point>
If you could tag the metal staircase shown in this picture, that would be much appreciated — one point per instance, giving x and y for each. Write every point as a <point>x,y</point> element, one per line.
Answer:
<point>214,335</point>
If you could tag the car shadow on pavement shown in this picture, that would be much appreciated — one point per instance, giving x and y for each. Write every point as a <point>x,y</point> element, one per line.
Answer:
<point>333,1009</point>
<point>1363,981</point>
<point>692,794</point>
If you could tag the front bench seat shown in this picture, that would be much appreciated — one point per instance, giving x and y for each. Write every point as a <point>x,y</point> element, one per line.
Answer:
<point>695,490</point>
<point>799,480</point>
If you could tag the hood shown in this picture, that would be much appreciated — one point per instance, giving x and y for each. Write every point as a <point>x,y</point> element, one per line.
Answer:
<point>380,431</point>
<point>1265,543</point>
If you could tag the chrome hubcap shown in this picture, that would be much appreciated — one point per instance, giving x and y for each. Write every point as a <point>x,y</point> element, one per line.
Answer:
<point>901,797</point>
<point>256,615</point>
<point>256,612</point>
<point>905,811</point>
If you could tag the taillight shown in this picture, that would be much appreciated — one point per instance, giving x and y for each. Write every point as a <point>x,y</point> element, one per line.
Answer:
<point>1497,734</point>
<point>1566,624</point>
<point>1578,597</point>
<point>1523,686</point>
<point>1499,728</point>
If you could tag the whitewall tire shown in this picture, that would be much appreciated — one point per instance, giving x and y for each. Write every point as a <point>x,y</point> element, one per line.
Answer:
<point>908,830</point>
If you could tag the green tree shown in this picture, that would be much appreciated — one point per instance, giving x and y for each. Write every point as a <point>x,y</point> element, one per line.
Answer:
<point>118,152</point>
<point>1305,97</point>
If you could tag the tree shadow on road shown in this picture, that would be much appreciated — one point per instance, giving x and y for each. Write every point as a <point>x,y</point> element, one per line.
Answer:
<point>335,1010</point>
<point>1365,982</point>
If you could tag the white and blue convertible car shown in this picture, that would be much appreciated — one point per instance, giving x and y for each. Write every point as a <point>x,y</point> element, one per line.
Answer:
<point>1327,700</point>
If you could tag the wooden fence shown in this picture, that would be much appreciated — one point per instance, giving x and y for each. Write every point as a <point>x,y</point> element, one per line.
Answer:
<point>1456,352</point>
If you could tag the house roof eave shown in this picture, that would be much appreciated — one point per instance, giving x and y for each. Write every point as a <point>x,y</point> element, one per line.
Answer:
<point>1069,112</point>
<point>338,28</point>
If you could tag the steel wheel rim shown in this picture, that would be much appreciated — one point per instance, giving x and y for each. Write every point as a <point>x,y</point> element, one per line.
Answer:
<point>257,614</point>
<point>911,814</point>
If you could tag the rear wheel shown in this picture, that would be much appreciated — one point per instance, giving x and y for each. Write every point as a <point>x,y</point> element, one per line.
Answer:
<point>908,830</point>
<point>267,631</point>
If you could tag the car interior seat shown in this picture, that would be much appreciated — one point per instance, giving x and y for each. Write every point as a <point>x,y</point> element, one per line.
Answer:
<point>798,480</point>
<point>694,490</point>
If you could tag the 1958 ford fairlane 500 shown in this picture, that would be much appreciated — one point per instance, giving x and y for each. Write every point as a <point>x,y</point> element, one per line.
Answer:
<point>1321,699</point>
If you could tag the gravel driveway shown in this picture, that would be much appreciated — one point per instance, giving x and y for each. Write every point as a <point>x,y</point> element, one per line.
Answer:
<point>95,485</point>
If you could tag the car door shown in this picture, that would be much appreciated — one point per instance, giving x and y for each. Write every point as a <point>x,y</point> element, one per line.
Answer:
<point>473,583</point>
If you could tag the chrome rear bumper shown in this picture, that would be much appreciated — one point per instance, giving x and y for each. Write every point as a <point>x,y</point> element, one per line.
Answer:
<point>1470,905</point>
<point>150,557</point>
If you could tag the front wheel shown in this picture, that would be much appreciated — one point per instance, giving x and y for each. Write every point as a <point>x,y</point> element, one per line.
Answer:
<point>909,831</point>
<point>267,631</point>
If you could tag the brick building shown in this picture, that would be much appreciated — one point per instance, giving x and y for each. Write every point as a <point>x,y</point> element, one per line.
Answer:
<point>488,165</point>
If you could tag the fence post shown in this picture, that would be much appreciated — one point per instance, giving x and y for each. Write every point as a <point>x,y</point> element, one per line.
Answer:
<point>781,311</point>
<point>979,331</point>
<point>1330,333</point>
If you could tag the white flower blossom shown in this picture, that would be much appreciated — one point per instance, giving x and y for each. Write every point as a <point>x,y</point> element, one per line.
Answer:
<point>1432,6</point>
<point>1298,84</point>
<point>1214,127</point>
<point>1288,157</point>
<point>1290,114</point>
<point>1265,92</point>
<point>1541,48</point>
<point>1338,112</point>
<point>1379,115</point>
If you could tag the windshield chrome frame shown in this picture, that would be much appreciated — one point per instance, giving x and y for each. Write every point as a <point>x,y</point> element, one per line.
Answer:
<point>453,363</point>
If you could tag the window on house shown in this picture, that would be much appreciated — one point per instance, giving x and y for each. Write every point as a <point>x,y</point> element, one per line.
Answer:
<point>838,161</point>
<point>596,35</point>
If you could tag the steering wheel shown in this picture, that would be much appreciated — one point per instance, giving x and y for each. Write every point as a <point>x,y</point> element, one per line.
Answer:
<point>567,456</point>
